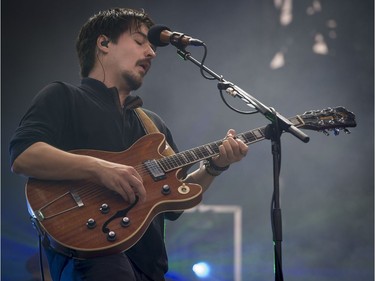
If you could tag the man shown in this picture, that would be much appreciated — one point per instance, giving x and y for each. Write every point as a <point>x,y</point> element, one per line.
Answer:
<point>115,56</point>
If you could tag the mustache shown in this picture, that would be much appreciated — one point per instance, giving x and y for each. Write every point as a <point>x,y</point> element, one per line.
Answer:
<point>146,63</point>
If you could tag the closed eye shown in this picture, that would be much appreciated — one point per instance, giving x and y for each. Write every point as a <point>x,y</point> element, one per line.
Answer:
<point>141,39</point>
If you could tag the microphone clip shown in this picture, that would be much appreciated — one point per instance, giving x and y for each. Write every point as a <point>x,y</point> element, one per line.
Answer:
<point>176,40</point>
<point>181,41</point>
<point>227,87</point>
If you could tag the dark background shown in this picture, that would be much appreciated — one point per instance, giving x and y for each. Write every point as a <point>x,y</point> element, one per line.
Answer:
<point>326,185</point>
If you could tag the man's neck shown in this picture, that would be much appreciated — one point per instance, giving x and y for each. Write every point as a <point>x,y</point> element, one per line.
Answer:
<point>123,92</point>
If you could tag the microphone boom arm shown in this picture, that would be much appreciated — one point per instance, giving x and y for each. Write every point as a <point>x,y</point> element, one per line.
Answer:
<point>236,91</point>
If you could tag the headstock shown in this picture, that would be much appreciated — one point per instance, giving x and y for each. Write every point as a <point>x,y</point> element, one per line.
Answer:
<point>329,119</point>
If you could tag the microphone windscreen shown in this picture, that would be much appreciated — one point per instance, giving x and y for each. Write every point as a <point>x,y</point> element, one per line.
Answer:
<point>154,35</point>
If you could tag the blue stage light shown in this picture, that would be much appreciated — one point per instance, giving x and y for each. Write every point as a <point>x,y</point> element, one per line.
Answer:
<point>201,269</point>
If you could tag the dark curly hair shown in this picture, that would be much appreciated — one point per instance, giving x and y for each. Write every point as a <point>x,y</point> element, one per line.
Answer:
<point>111,23</point>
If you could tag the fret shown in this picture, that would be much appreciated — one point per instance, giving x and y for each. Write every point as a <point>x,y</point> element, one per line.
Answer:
<point>215,146</point>
<point>241,137</point>
<point>190,155</point>
<point>198,152</point>
<point>259,133</point>
<point>186,160</point>
<point>204,152</point>
<point>247,137</point>
<point>181,159</point>
<point>170,162</point>
<point>210,151</point>
<point>164,164</point>
<point>194,155</point>
<point>173,161</point>
<point>250,137</point>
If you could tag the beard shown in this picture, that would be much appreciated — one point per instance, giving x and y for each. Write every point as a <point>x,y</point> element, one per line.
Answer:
<point>133,81</point>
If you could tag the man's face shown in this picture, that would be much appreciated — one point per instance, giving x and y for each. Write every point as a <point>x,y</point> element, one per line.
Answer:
<point>130,59</point>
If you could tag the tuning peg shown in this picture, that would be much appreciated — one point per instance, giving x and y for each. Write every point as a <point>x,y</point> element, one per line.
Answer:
<point>325,132</point>
<point>336,131</point>
<point>346,131</point>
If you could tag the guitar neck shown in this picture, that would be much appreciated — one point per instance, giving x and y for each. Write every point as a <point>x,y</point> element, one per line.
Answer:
<point>194,155</point>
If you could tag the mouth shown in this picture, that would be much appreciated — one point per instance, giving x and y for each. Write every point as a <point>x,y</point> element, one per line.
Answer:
<point>145,65</point>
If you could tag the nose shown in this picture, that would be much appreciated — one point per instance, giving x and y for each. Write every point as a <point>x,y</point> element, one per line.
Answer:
<point>151,52</point>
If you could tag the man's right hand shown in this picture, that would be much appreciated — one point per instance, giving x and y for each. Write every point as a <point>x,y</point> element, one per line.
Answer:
<point>125,180</point>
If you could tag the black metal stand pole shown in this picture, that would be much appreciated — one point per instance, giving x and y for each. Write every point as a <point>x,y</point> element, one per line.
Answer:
<point>273,132</point>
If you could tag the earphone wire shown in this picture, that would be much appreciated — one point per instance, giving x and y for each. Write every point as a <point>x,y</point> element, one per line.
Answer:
<point>97,55</point>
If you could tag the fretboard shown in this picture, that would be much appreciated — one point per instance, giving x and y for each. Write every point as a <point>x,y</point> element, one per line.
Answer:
<point>206,151</point>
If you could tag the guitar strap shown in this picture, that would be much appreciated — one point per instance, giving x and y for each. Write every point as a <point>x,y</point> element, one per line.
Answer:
<point>150,127</point>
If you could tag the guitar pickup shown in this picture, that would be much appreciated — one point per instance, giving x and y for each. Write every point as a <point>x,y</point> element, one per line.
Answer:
<point>155,170</point>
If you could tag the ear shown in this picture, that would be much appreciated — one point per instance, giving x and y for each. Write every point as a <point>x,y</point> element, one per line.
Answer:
<point>102,43</point>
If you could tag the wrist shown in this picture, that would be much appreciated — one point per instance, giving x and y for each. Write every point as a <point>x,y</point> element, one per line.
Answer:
<point>212,169</point>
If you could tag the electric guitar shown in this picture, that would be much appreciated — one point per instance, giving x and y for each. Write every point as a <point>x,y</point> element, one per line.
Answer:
<point>84,220</point>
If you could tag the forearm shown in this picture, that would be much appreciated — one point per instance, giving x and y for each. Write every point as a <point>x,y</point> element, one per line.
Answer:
<point>44,161</point>
<point>201,177</point>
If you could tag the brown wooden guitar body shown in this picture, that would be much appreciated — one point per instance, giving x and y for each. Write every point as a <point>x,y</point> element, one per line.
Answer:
<point>64,208</point>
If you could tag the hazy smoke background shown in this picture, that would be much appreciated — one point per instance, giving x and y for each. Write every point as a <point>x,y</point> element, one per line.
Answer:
<point>292,55</point>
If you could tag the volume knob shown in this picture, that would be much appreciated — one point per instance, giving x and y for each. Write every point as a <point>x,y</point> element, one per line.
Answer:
<point>104,208</point>
<point>125,222</point>
<point>91,223</point>
<point>111,236</point>
<point>166,189</point>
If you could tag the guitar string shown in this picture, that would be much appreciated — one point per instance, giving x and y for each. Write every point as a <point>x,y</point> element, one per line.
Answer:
<point>168,163</point>
<point>86,193</point>
<point>172,162</point>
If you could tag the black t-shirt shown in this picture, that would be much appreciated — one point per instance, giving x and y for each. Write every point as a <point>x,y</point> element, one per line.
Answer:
<point>90,117</point>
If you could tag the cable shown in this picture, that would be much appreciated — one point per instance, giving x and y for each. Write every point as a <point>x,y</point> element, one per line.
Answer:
<point>97,55</point>
<point>41,258</point>
<point>220,78</point>
<point>202,64</point>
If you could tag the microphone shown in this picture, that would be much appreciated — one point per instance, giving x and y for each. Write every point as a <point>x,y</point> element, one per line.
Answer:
<point>160,35</point>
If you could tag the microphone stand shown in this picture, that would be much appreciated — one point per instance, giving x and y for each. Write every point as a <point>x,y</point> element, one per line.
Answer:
<point>273,132</point>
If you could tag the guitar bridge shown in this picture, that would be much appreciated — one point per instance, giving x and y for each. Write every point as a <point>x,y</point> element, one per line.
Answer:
<point>155,170</point>
<point>77,199</point>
